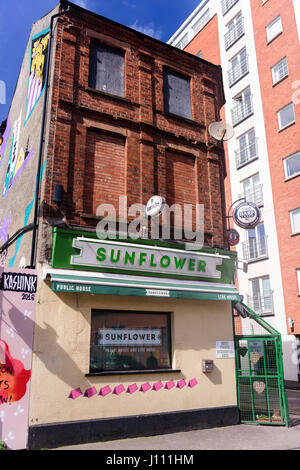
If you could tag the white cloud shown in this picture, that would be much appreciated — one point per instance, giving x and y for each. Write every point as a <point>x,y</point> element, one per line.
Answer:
<point>148,29</point>
<point>81,3</point>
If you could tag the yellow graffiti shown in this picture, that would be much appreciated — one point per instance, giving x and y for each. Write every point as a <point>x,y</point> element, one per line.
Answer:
<point>20,160</point>
<point>38,57</point>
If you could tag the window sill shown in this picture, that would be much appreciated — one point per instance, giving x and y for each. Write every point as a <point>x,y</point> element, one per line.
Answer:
<point>238,167</point>
<point>261,258</point>
<point>182,118</point>
<point>133,372</point>
<point>281,80</point>
<point>294,234</point>
<point>108,95</point>
<point>287,126</point>
<point>273,39</point>
<point>239,79</point>
<point>292,177</point>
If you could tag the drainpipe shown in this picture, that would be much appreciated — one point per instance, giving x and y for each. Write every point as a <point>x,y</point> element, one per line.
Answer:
<point>37,188</point>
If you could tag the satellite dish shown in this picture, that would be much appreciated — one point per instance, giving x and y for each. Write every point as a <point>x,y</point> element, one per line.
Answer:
<point>221,131</point>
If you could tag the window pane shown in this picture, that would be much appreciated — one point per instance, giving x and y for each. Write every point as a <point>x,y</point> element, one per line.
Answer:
<point>106,69</point>
<point>286,115</point>
<point>274,28</point>
<point>177,96</point>
<point>280,70</point>
<point>129,341</point>
<point>292,164</point>
<point>295,218</point>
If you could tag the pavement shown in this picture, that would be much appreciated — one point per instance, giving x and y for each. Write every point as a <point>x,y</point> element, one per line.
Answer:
<point>238,437</point>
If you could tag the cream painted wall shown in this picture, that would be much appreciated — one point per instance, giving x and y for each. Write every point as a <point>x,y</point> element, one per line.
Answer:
<point>61,358</point>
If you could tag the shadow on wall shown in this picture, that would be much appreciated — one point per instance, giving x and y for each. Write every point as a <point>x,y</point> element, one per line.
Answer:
<point>55,358</point>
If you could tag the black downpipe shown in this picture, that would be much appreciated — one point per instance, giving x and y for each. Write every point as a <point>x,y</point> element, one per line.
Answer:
<point>37,188</point>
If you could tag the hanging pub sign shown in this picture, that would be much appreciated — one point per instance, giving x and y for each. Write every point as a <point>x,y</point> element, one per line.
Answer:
<point>155,206</point>
<point>233,236</point>
<point>246,215</point>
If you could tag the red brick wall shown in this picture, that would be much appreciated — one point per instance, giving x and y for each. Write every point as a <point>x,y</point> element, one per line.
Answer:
<point>104,171</point>
<point>76,157</point>
<point>207,41</point>
<point>284,143</point>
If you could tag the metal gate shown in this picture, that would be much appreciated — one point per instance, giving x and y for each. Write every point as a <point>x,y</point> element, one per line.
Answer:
<point>259,369</point>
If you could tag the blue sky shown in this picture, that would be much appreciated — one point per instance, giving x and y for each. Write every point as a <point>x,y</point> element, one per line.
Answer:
<point>157,18</point>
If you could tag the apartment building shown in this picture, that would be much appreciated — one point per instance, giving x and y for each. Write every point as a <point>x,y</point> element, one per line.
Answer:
<point>125,329</point>
<point>257,44</point>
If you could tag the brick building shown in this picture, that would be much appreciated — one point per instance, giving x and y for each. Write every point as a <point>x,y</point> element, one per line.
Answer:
<point>101,112</point>
<point>257,44</point>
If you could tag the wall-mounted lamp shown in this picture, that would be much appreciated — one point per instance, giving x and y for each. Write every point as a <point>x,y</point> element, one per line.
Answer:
<point>58,194</point>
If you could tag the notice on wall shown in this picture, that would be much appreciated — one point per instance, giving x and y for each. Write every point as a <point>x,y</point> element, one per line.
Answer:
<point>224,349</point>
<point>17,305</point>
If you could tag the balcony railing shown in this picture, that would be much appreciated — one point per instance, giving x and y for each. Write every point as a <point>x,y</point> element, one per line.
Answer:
<point>242,110</point>
<point>254,195</point>
<point>263,305</point>
<point>255,249</point>
<point>234,33</point>
<point>246,154</point>
<point>237,72</point>
<point>226,5</point>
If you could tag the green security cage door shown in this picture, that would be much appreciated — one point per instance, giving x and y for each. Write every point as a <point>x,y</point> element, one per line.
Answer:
<point>259,369</point>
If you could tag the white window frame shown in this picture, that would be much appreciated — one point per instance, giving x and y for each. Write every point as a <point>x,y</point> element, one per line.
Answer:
<point>298,278</point>
<point>262,294</point>
<point>278,65</point>
<point>295,155</point>
<point>294,228</point>
<point>270,37</point>
<point>255,189</point>
<point>201,22</point>
<point>281,127</point>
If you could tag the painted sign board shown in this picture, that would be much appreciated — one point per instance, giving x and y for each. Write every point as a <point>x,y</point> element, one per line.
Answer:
<point>17,306</point>
<point>83,251</point>
<point>128,257</point>
<point>127,337</point>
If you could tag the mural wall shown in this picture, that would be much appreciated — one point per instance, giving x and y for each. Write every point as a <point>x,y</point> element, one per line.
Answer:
<point>17,304</point>
<point>38,65</point>
<point>19,147</point>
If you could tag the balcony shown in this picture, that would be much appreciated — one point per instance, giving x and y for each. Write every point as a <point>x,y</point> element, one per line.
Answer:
<point>234,33</point>
<point>254,195</point>
<point>246,154</point>
<point>238,72</point>
<point>226,5</point>
<point>255,249</point>
<point>263,305</point>
<point>242,110</point>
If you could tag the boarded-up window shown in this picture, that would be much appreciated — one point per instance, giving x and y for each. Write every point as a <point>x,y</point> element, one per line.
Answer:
<point>180,182</point>
<point>106,69</point>
<point>104,171</point>
<point>177,94</point>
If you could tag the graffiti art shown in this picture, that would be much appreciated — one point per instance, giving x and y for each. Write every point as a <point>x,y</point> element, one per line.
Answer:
<point>4,139</point>
<point>18,158</point>
<point>37,70</point>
